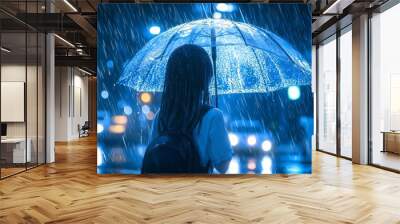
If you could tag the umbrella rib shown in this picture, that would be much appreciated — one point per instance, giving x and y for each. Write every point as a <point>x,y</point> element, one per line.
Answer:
<point>258,60</point>
<point>162,56</point>
<point>276,42</point>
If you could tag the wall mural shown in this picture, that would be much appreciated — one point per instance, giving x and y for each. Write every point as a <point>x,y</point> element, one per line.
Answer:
<point>204,88</point>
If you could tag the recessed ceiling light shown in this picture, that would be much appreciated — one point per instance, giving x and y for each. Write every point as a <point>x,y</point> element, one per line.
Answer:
<point>5,50</point>
<point>64,40</point>
<point>70,5</point>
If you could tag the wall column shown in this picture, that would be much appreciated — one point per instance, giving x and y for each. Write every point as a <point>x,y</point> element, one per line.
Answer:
<point>360,90</point>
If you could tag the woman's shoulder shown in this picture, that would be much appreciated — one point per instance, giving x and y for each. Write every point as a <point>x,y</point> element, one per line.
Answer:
<point>214,113</point>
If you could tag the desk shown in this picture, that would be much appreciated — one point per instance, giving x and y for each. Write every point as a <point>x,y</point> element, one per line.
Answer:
<point>13,150</point>
<point>391,141</point>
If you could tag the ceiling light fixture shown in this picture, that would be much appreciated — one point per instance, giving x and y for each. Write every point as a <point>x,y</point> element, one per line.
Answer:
<point>84,71</point>
<point>70,5</point>
<point>64,40</point>
<point>5,50</point>
<point>337,7</point>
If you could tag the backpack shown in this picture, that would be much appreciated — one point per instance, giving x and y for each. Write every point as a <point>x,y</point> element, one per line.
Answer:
<point>174,152</point>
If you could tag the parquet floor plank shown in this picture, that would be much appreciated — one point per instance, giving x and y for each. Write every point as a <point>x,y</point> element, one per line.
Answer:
<point>70,191</point>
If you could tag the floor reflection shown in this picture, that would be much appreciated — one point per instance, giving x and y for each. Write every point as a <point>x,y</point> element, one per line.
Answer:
<point>283,159</point>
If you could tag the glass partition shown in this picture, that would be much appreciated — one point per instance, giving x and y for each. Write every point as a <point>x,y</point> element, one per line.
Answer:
<point>14,153</point>
<point>346,93</point>
<point>327,96</point>
<point>22,77</point>
<point>385,89</point>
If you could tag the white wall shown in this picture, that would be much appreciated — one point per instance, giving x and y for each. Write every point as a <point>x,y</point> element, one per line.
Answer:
<point>33,127</point>
<point>71,94</point>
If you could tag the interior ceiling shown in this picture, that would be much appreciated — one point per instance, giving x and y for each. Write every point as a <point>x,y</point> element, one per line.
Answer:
<point>79,27</point>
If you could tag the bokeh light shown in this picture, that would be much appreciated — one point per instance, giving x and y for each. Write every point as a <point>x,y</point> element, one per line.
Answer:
<point>294,92</point>
<point>99,156</point>
<point>266,145</point>
<point>145,97</point>
<point>145,109</point>
<point>266,165</point>
<point>233,166</point>
<point>234,140</point>
<point>251,140</point>
<point>251,164</point>
<point>217,15</point>
<point>120,119</point>
<point>117,129</point>
<point>128,110</point>
<point>155,30</point>
<point>224,7</point>
<point>104,94</point>
<point>150,115</point>
<point>110,64</point>
<point>100,128</point>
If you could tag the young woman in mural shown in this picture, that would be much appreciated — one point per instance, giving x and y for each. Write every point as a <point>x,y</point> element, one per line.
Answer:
<point>188,135</point>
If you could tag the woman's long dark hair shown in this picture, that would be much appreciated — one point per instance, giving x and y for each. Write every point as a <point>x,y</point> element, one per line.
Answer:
<point>187,78</point>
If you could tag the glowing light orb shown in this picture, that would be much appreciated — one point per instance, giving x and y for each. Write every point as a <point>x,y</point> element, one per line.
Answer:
<point>145,109</point>
<point>104,94</point>
<point>251,164</point>
<point>224,7</point>
<point>294,92</point>
<point>120,119</point>
<point>128,110</point>
<point>233,139</point>
<point>110,64</point>
<point>266,165</point>
<point>150,115</point>
<point>217,15</point>
<point>145,97</point>
<point>117,129</point>
<point>251,140</point>
<point>99,157</point>
<point>155,30</point>
<point>100,128</point>
<point>234,166</point>
<point>266,145</point>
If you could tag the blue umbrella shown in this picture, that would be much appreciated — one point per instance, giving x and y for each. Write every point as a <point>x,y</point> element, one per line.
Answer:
<point>247,59</point>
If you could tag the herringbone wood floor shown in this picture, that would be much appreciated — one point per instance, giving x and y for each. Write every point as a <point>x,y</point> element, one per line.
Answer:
<point>70,191</point>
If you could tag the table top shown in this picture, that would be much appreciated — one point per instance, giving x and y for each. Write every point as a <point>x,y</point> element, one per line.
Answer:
<point>13,140</point>
<point>391,132</point>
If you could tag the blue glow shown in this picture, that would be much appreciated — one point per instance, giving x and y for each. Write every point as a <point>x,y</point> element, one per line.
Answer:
<point>233,139</point>
<point>127,110</point>
<point>233,166</point>
<point>99,156</point>
<point>104,94</point>
<point>266,145</point>
<point>145,109</point>
<point>266,165</point>
<point>100,128</point>
<point>252,140</point>
<point>155,30</point>
<point>294,92</point>
<point>249,59</point>
<point>224,7</point>
<point>217,15</point>
<point>110,64</point>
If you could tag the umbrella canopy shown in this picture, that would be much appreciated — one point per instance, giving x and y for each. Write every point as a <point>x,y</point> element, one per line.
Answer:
<point>249,59</point>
